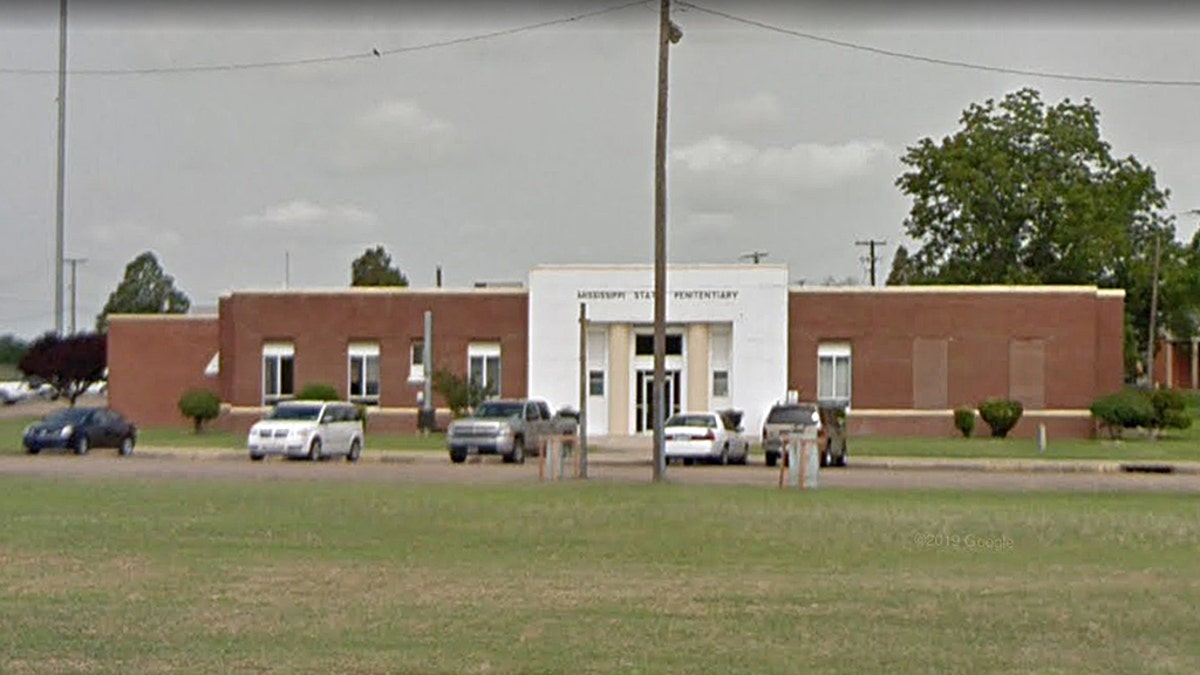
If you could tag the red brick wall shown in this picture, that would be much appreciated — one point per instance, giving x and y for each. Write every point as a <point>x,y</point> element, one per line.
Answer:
<point>153,359</point>
<point>321,326</point>
<point>1081,333</point>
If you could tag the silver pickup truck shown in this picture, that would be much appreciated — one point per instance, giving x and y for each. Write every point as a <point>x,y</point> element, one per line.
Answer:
<point>507,427</point>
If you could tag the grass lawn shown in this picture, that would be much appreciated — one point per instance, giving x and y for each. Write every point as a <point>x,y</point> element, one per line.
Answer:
<point>1175,447</point>
<point>195,576</point>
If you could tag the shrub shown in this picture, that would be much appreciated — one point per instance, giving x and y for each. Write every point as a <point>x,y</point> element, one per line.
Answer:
<point>964,421</point>
<point>318,391</point>
<point>1001,415</point>
<point>1126,409</point>
<point>459,393</point>
<point>200,405</point>
<point>1170,409</point>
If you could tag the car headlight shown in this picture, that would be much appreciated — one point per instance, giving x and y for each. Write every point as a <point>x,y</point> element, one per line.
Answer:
<point>66,431</point>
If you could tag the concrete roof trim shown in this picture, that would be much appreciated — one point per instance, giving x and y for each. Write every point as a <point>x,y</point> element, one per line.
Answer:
<point>380,290</point>
<point>162,317</point>
<point>961,289</point>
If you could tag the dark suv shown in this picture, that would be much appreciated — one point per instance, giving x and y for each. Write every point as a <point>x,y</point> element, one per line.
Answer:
<point>792,418</point>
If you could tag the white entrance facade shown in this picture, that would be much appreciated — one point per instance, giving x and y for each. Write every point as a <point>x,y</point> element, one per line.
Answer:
<point>727,328</point>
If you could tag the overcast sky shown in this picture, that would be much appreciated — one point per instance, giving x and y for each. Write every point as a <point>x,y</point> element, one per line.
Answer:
<point>492,156</point>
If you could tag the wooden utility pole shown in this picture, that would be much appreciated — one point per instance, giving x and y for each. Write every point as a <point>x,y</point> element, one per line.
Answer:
<point>1153,311</point>
<point>668,34</point>
<point>872,257</point>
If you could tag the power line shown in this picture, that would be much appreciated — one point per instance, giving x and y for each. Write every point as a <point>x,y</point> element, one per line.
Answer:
<point>942,62</point>
<point>369,54</point>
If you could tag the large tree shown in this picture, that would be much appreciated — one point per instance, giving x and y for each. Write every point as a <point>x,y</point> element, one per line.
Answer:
<point>374,268</point>
<point>146,289</point>
<point>69,364</point>
<point>1029,193</point>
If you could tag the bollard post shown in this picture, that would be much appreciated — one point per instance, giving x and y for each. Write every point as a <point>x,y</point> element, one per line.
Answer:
<point>1041,439</point>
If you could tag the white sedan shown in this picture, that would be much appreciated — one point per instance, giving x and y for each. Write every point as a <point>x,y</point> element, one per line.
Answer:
<point>705,436</point>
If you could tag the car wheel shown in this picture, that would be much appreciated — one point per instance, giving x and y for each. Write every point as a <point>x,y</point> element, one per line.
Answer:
<point>126,448</point>
<point>517,456</point>
<point>314,450</point>
<point>32,450</point>
<point>772,459</point>
<point>458,455</point>
<point>255,457</point>
<point>81,445</point>
<point>842,459</point>
<point>355,451</point>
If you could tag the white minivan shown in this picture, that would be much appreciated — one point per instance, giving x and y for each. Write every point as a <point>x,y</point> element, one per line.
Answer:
<point>312,429</point>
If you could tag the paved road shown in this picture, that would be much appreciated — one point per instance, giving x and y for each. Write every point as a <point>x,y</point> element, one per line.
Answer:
<point>105,464</point>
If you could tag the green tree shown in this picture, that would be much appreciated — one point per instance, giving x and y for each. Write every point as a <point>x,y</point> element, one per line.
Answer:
<point>12,348</point>
<point>374,268</point>
<point>900,275</point>
<point>146,289</point>
<point>1025,193</point>
<point>199,405</point>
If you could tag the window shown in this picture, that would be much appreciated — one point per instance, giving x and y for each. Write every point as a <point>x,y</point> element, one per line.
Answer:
<point>278,371</point>
<point>833,372</point>
<point>644,344</point>
<point>364,372</point>
<point>483,366</point>
<point>720,384</point>
<point>416,369</point>
<point>595,382</point>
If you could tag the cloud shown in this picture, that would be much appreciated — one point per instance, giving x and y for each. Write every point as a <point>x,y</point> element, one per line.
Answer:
<point>717,173</point>
<point>395,134</point>
<point>762,109</point>
<point>303,214</point>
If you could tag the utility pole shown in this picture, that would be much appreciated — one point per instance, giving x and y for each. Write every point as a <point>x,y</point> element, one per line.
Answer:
<point>872,258</point>
<point>61,168</point>
<point>287,269</point>
<point>1153,311</point>
<point>668,34</point>
<point>74,293</point>
<point>754,256</point>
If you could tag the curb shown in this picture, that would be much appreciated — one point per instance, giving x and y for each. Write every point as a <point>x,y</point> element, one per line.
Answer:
<point>637,459</point>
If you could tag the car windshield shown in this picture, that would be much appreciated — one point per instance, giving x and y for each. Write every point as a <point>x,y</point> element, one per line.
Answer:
<point>702,421</point>
<point>499,409</point>
<point>294,412</point>
<point>67,416</point>
<point>797,414</point>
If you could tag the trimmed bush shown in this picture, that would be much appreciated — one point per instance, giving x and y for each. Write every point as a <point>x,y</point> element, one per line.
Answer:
<point>199,405</point>
<point>1153,410</point>
<point>318,391</point>
<point>1126,409</point>
<point>964,421</point>
<point>1001,415</point>
<point>1170,409</point>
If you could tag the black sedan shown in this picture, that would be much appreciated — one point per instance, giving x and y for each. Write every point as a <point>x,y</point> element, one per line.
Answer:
<point>81,429</point>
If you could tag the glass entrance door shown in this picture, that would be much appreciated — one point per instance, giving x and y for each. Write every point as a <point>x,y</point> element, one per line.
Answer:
<point>644,408</point>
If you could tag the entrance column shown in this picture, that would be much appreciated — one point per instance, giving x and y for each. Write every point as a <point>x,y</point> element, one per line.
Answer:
<point>618,379</point>
<point>697,367</point>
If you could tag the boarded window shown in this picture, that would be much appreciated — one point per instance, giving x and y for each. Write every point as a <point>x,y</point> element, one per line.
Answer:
<point>930,373</point>
<point>1027,373</point>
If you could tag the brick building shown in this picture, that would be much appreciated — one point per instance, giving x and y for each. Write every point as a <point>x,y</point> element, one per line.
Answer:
<point>900,358</point>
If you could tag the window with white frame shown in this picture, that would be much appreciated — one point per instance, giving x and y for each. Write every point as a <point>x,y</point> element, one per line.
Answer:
<point>279,368</point>
<point>833,372</point>
<point>483,366</point>
<point>363,384</point>
<point>416,361</point>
